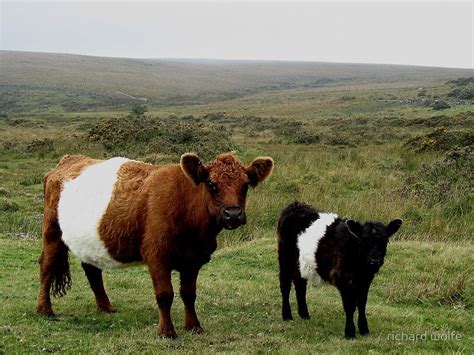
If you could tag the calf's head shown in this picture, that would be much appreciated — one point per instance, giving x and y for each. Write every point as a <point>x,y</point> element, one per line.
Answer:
<point>226,181</point>
<point>373,238</point>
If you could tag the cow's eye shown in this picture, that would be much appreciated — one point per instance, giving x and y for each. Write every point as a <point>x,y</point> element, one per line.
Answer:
<point>245,188</point>
<point>212,186</point>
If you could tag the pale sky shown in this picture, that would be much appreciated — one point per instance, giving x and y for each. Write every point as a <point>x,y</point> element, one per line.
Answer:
<point>403,32</point>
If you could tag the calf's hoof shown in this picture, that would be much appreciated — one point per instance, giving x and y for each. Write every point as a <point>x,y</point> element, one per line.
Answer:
<point>287,317</point>
<point>364,332</point>
<point>304,315</point>
<point>349,334</point>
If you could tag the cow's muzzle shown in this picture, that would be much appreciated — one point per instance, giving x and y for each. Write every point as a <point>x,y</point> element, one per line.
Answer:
<point>232,216</point>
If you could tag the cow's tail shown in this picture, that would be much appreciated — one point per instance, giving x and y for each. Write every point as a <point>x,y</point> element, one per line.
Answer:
<point>61,274</point>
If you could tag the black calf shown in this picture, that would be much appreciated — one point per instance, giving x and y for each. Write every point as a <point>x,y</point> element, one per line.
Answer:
<point>343,252</point>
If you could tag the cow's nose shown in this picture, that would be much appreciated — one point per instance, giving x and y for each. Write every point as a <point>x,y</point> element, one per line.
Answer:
<point>232,213</point>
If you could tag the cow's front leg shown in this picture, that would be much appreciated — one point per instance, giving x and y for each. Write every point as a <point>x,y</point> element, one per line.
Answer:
<point>161,276</point>
<point>188,295</point>
<point>361,303</point>
<point>349,303</point>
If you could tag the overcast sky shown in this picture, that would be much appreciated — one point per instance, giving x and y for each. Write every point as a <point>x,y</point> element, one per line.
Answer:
<point>419,33</point>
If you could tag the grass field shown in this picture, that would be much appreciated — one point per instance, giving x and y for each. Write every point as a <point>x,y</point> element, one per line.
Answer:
<point>372,147</point>
<point>238,301</point>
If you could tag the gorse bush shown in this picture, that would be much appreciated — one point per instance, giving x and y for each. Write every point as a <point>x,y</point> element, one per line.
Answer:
<point>462,81</point>
<point>134,135</point>
<point>284,130</point>
<point>462,94</point>
<point>449,180</point>
<point>441,139</point>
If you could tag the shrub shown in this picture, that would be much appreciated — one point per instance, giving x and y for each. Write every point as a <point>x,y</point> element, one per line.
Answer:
<point>440,105</point>
<point>450,179</point>
<point>37,145</point>
<point>347,98</point>
<point>138,110</point>
<point>23,122</point>
<point>462,93</point>
<point>138,136</point>
<point>288,131</point>
<point>461,81</point>
<point>440,139</point>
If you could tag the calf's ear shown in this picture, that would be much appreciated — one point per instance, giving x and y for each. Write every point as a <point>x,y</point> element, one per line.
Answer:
<point>193,168</point>
<point>394,226</point>
<point>259,170</point>
<point>354,227</point>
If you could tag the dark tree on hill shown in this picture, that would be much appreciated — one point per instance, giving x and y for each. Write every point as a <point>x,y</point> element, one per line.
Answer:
<point>138,110</point>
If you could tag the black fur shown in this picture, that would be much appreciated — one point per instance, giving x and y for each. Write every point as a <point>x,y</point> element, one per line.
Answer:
<point>348,256</point>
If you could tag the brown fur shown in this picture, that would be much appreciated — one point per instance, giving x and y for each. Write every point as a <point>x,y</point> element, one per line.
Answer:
<point>165,216</point>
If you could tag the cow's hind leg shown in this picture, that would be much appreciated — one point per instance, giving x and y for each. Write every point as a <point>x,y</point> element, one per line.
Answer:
<point>94,275</point>
<point>287,264</point>
<point>285,288</point>
<point>55,277</point>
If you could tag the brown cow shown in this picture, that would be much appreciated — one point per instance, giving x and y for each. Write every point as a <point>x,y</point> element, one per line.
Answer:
<point>111,213</point>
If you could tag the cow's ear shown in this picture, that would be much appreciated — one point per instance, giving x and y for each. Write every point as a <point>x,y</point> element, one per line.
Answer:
<point>193,168</point>
<point>259,170</point>
<point>394,226</point>
<point>354,227</point>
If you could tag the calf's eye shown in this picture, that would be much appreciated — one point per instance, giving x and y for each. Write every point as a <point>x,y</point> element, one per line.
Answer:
<point>245,189</point>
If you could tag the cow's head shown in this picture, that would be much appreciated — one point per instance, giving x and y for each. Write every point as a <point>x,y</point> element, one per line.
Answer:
<point>373,238</point>
<point>226,181</point>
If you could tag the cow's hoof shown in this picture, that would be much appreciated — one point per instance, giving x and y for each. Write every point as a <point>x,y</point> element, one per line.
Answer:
<point>364,332</point>
<point>107,309</point>
<point>168,334</point>
<point>45,311</point>
<point>197,329</point>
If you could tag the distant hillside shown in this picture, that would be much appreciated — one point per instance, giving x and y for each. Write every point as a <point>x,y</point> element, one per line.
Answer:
<point>44,81</point>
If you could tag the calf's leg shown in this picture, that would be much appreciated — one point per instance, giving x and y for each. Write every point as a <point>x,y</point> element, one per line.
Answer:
<point>300,288</point>
<point>188,295</point>
<point>94,275</point>
<point>161,276</point>
<point>285,288</point>
<point>361,303</point>
<point>349,303</point>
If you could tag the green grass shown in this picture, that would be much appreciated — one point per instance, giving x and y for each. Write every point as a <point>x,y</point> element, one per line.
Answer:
<point>239,305</point>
